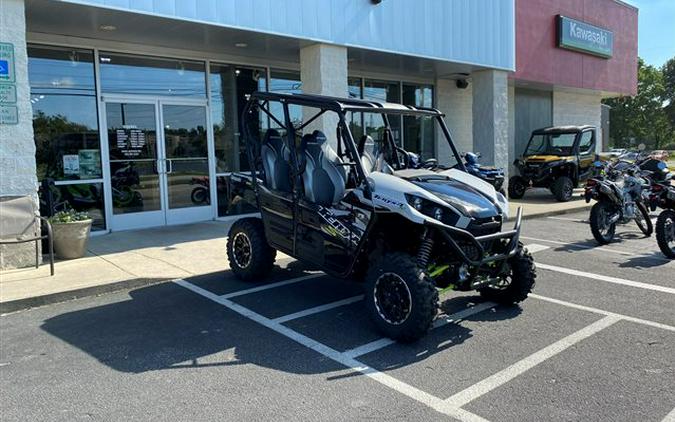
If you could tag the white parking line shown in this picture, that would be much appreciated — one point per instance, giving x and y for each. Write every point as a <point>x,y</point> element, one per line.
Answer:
<point>576,245</point>
<point>670,417</point>
<point>317,309</point>
<point>535,247</point>
<point>272,285</point>
<point>384,379</point>
<point>502,377</point>
<point>607,279</point>
<point>603,312</point>
<point>439,322</point>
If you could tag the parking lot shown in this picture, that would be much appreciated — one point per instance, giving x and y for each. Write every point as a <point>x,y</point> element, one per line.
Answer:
<point>595,342</point>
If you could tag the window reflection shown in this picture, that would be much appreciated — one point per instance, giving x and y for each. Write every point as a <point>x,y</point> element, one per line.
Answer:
<point>129,74</point>
<point>419,134</point>
<point>65,122</point>
<point>230,89</point>
<point>286,82</point>
<point>83,197</point>
<point>383,91</point>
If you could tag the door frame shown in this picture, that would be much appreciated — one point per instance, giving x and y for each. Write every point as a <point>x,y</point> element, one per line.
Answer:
<point>164,216</point>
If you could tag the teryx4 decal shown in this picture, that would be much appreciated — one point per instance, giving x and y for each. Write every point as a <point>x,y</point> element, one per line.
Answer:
<point>336,228</point>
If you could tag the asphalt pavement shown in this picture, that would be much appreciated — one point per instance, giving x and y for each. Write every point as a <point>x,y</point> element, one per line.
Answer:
<point>594,342</point>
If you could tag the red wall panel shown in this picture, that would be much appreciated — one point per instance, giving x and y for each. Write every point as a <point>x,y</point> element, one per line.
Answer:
<point>539,60</point>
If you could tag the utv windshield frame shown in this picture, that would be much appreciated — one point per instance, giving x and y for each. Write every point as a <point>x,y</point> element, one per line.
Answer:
<point>340,106</point>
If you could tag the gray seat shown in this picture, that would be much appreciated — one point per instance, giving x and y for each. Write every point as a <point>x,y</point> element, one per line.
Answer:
<point>275,156</point>
<point>324,177</point>
<point>373,161</point>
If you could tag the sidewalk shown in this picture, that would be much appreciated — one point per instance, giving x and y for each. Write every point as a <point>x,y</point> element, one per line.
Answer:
<point>125,260</point>
<point>539,203</point>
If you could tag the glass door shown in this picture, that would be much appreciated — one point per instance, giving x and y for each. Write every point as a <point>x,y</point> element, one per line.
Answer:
<point>159,165</point>
<point>188,187</point>
<point>135,160</point>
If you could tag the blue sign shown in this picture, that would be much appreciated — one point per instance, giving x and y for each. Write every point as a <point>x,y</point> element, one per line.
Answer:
<point>584,37</point>
<point>4,67</point>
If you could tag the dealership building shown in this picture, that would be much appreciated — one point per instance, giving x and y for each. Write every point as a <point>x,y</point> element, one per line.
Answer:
<point>129,109</point>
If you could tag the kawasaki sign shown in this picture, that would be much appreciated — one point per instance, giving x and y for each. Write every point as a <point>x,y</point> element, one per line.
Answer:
<point>581,36</point>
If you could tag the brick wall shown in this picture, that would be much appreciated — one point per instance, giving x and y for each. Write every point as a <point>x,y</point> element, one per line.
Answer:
<point>575,108</point>
<point>456,104</point>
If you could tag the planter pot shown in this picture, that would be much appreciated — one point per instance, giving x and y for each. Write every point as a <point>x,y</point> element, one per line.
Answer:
<point>70,239</point>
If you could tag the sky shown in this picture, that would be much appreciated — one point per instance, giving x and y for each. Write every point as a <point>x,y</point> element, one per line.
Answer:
<point>656,30</point>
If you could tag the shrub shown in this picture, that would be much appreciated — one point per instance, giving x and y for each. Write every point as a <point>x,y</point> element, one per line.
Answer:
<point>68,216</point>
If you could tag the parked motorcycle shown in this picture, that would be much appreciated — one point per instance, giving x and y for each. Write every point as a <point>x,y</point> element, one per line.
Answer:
<point>662,195</point>
<point>618,190</point>
<point>492,175</point>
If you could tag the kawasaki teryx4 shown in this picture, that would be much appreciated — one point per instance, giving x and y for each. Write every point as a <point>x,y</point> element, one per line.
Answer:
<point>360,210</point>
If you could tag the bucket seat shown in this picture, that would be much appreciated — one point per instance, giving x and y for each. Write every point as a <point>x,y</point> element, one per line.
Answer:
<point>275,154</point>
<point>324,177</point>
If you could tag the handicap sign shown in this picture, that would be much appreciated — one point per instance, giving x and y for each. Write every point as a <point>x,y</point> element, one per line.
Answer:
<point>6,62</point>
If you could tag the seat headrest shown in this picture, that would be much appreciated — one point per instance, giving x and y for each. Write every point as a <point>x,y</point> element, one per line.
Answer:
<point>365,140</point>
<point>319,137</point>
<point>271,134</point>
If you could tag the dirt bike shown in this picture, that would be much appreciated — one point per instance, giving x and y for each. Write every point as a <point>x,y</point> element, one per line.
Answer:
<point>618,190</point>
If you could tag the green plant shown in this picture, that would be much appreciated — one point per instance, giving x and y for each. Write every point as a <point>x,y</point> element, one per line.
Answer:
<point>68,216</point>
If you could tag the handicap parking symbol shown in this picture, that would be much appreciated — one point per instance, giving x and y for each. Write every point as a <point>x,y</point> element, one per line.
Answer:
<point>4,67</point>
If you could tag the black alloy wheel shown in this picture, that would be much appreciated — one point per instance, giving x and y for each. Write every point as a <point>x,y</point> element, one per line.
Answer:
<point>665,233</point>
<point>602,230</point>
<point>517,187</point>
<point>248,252</point>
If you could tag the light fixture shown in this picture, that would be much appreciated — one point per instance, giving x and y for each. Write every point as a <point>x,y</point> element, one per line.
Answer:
<point>181,69</point>
<point>107,27</point>
<point>241,45</point>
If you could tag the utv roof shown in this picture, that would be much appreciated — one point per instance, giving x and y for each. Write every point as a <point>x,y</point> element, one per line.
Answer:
<point>561,129</point>
<point>338,104</point>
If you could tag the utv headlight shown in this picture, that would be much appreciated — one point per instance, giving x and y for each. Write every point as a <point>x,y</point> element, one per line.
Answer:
<point>431,209</point>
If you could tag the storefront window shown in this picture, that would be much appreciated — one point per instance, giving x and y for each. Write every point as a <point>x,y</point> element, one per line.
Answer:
<point>129,74</point>
<point>230,89</point>
<point>285,82</point>
<point>419,131</point>
<point>355,120</point>
<point>66,132</point>
<point>385,92</point>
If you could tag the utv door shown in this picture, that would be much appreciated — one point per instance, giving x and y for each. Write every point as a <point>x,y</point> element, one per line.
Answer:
<point>323,236</point>
<point>276,209</point>
<point>586,153</point>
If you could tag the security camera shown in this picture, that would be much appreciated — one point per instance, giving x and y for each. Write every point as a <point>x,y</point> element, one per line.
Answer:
<point>462,83</point>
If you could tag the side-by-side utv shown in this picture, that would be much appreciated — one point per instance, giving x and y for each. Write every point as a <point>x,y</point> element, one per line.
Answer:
<point>557,158</point>
<point>360,209</point>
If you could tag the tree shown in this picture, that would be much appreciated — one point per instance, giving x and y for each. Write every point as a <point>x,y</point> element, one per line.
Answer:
<point>668,71</point>
<point>643,117</point>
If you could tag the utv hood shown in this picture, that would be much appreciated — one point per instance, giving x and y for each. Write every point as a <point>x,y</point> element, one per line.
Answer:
<point>471,196</point>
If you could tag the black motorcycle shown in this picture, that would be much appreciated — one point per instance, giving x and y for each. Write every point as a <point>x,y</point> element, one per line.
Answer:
<point>618,188</point>
<point>662,195</point>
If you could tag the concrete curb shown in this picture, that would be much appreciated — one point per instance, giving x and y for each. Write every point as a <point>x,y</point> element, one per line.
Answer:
<point>554,212</point>
<point>58,297</point>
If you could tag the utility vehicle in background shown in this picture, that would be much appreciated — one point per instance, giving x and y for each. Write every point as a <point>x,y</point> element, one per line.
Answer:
<point>359,209</point>
<point>557,158</point>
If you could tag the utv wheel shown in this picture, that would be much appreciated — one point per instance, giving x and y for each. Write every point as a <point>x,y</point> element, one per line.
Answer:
<point>602,231</point>
<point>247,250</point>
<point>401,299</point>
<point>643,221</point>
<point>562,189</point>
<point>665,233</point>
<point>518,284</point>
<point>517,187</point>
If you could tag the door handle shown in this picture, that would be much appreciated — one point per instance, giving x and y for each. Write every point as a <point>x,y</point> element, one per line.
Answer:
<point>170,170</point>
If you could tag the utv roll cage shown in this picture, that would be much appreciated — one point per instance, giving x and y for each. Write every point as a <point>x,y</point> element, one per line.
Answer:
<point>261,101</point>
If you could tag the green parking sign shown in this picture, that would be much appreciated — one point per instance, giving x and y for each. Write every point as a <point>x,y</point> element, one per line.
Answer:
<point>6,62</point>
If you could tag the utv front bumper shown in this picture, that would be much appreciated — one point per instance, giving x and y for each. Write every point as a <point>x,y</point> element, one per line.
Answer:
<point>484,248</point>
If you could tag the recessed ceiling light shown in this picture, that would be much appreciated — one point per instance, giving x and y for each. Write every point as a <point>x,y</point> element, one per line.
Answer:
<point>107,27</point>
<point>241,45</point>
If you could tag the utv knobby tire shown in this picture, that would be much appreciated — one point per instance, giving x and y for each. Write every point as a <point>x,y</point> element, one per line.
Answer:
<point>596,214</point>
<point>517,187</point>
<point>259,262</point>
<point>664,222</point>
<point>562,188</point>
<point>423,296</point>
<point>647,228</point>
<point>522,277</point>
